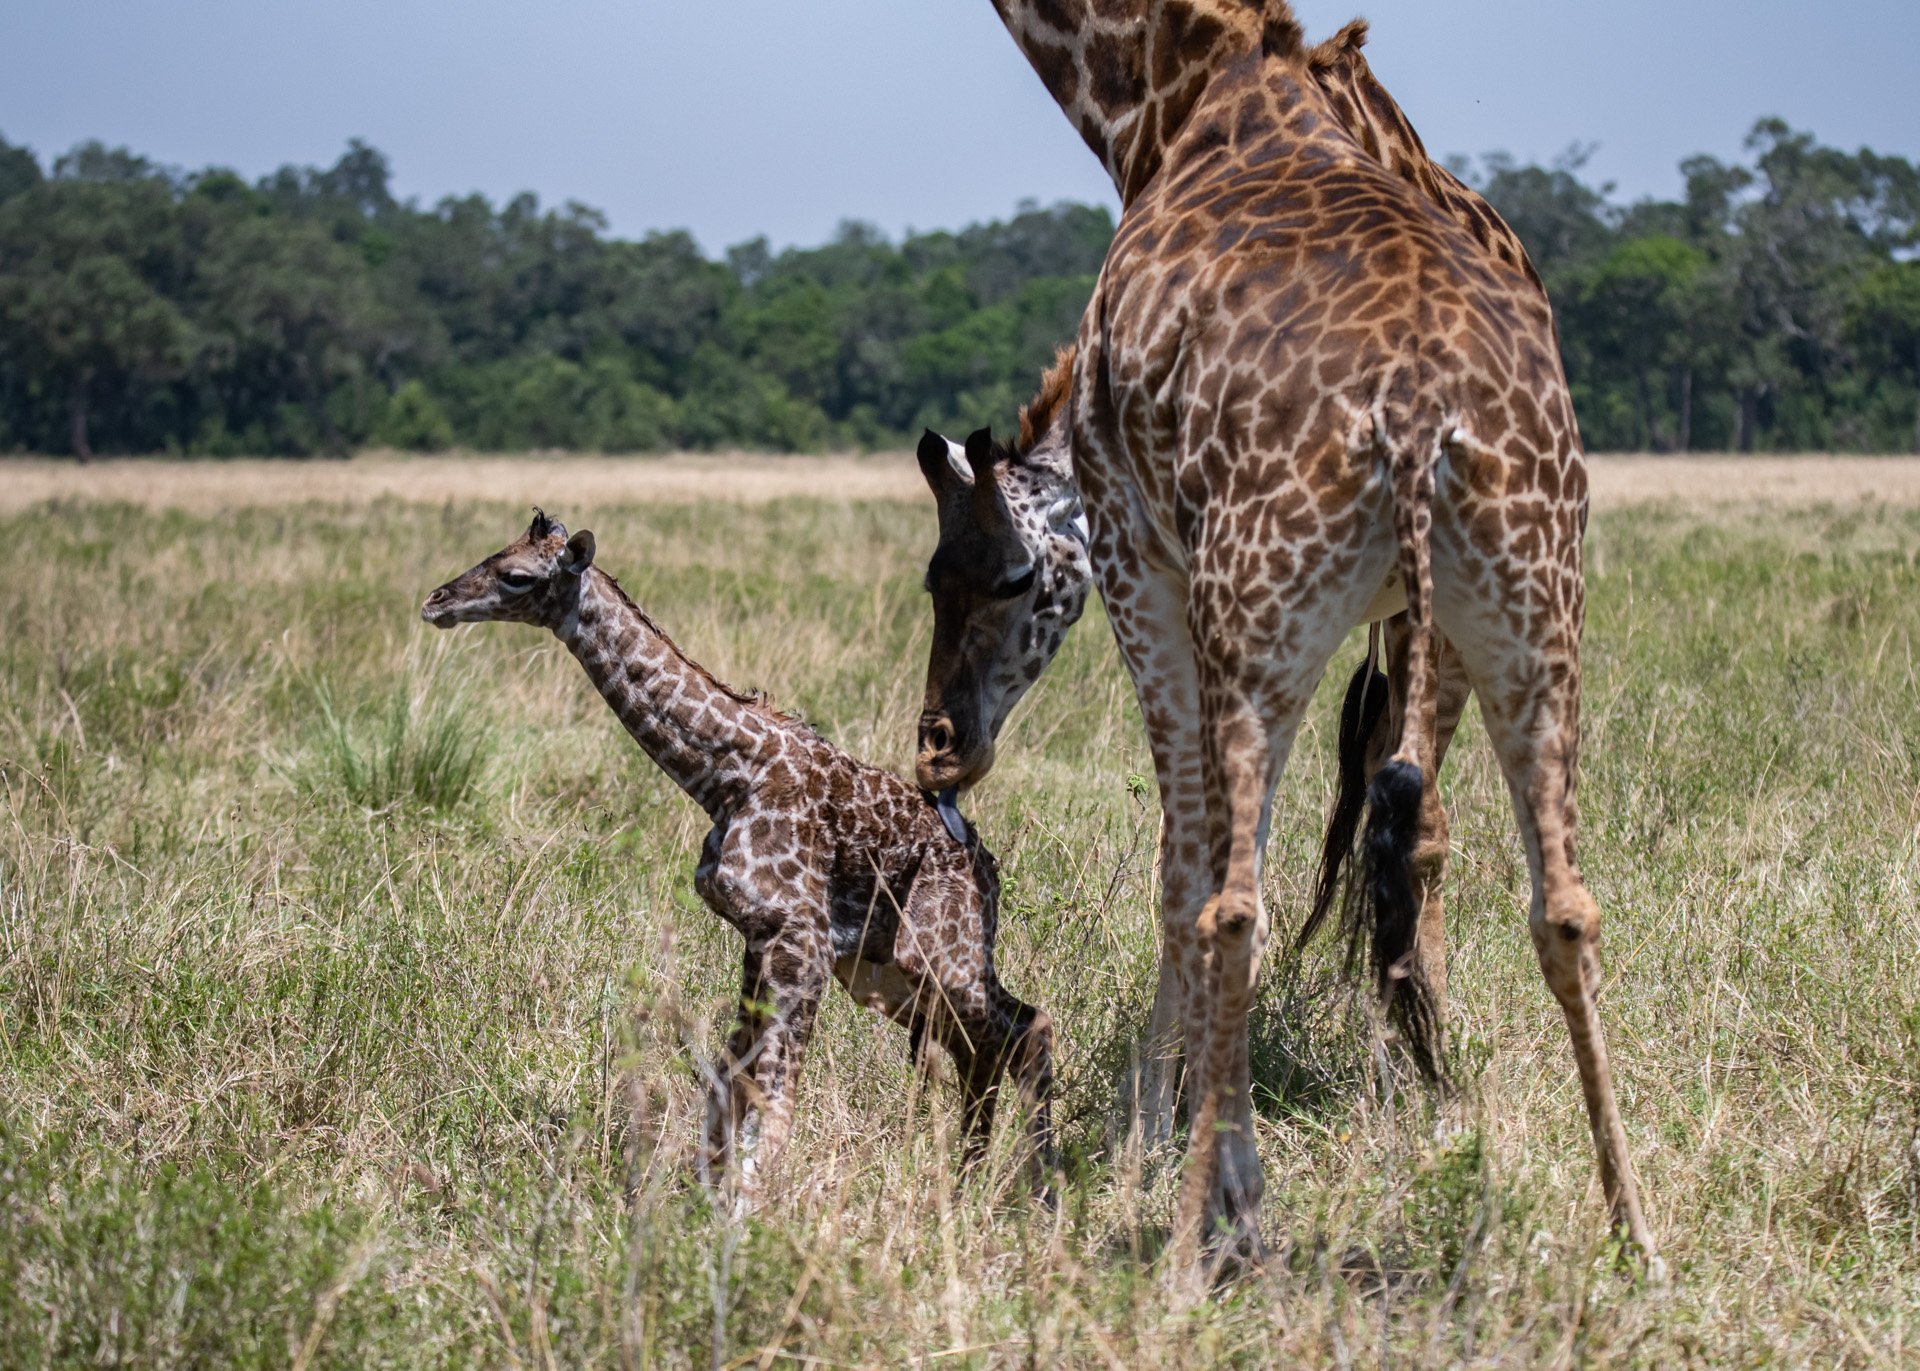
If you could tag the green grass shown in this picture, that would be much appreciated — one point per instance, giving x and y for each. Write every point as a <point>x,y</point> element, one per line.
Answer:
<point>423,744</point>
<point>351,981</point>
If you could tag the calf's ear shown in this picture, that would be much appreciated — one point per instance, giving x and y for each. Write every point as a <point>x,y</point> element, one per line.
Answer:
<point>578,553</point>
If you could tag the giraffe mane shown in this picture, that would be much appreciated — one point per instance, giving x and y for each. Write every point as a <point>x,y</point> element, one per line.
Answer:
<point>753,699</point>
<point>1039,413</point>
<point>1281,34</point>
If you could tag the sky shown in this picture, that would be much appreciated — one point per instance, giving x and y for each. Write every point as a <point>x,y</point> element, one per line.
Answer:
<point>735,118</point>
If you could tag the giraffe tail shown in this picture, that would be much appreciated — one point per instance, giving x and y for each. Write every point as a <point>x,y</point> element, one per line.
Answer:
<point>1359,716</point>
<point>1382,914</point>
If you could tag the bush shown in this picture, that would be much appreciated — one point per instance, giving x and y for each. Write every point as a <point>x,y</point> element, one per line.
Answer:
<point>414,420</point>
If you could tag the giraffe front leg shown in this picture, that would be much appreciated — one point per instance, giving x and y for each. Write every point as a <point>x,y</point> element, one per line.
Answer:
<point>1184,882</point>
<point>729,1080</point>
<point>750,1111</point>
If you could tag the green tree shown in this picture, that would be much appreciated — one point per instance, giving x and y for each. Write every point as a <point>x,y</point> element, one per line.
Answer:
<point>1563,221</point>
<point>19,171</point>
<point>1884,324</point>
<point>290,316</point>
<point>1637,311</point>
<point>415,420</point>
<point>84,265</point>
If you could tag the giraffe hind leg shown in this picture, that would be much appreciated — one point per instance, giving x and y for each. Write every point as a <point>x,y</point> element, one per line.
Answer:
<point>1564,921</point>
<point>1008,1039</point>
<point>1529,689</point>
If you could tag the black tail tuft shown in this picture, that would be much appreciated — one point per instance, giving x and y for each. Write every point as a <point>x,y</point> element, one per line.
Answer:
<point>1385,905</point>
<point>1359,717</point>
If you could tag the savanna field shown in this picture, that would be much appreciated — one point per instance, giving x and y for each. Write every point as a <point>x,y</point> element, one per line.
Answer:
<point>352,986</point>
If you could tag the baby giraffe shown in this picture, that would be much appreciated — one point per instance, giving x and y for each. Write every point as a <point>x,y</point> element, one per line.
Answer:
<point>827,866</point>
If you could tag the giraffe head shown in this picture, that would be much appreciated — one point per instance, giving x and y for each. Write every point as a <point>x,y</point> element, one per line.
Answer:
<point>1008,579</point>
<point>535,579</point>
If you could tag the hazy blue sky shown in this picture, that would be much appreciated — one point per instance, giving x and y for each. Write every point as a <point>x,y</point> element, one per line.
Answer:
<point>740,118</point>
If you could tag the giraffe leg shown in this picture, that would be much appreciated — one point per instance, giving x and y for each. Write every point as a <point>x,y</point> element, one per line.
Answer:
<point>1029,1060</point>
<point>1565,923</point>
<point>1247,746</point>
<point>1008,1038</point>
<point>730,1080</point>
<point>1254,695</point>
<point>1529,690</point>
<point>750,1114</point>
<point>1149,619</point>
<point>1259,664</point>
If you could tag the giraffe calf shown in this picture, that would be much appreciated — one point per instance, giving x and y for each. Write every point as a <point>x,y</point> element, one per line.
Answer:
<point>829,868</point>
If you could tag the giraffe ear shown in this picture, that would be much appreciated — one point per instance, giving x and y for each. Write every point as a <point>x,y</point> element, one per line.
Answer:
<point>942,461</point>
<point>932,456</point>
<point>577,555</point>
<point>980,449</point>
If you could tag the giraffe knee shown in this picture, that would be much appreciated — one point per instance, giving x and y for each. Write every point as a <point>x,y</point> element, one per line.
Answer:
<point>1032,1055</point>
<point>1431,844</point>
<point>1566,923</point>
<point>1231,916</point>
<point>1566,936</point>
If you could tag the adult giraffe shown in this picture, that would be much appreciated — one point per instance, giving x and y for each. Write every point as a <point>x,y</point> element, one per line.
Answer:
<point>1296,378</point>
<point>1013,528</point>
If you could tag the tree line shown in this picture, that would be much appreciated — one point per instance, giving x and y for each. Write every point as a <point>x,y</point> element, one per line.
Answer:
<point>1775,305</point>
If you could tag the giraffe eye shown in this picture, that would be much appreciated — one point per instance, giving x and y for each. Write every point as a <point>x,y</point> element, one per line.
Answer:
<point>516,582</point>
<point>1016,585</point>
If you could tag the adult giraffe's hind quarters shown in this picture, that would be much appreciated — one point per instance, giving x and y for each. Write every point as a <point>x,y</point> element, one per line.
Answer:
<point>829,868</point>
<point>1313,363</point>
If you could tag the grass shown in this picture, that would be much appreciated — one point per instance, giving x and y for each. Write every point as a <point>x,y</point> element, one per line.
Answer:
<point>424,744</point>
<point>351,981</point>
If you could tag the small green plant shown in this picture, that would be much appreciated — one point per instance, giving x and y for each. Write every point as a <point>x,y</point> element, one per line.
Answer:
<point>419,746</point>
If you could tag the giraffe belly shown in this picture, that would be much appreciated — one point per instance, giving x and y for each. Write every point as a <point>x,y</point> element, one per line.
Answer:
<point>1387,601</point>
<point>884,988</point>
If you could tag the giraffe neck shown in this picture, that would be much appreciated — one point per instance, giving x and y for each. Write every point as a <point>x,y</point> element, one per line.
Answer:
<point>1374,119</point>
<point>1365,109</point>
<point>709,740</point>
<point>1127,74</point>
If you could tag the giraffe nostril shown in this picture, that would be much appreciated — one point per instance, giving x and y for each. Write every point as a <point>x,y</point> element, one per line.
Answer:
<point>940,735</point>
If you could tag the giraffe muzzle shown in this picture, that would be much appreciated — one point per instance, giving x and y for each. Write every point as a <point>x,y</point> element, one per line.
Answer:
<point>950,757</point>
<point>438,610</point>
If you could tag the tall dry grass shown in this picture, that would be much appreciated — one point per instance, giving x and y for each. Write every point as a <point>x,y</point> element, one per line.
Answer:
<point>351,986</point>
